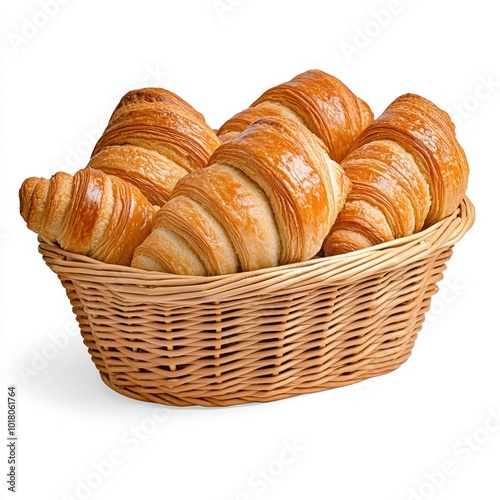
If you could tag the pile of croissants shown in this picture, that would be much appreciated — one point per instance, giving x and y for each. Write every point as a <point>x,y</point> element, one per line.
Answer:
<point>305,171</point>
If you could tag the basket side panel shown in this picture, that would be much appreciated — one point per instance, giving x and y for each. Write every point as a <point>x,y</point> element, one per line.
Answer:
<point>78,308</point>
<point>306,338</point>
<point>84,324</point>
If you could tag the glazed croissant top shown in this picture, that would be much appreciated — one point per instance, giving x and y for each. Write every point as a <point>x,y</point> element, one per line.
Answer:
<point>153,139</point>
<point>320,101</point>
<point>305,168</point>
<point>408,171</point>
<point>90,213</point>
<point>267,197</point>
<point>428,134</point>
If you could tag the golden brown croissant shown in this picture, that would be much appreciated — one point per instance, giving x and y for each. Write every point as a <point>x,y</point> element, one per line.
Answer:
<point>320,101</point>
<point>153,139</point>
<point>90,213</point>
<point>408,171</point>
<point>267,197</point>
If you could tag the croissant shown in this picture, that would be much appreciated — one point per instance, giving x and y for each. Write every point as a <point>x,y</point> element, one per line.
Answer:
<point>153,139</point>
<point>90,213</point>
<point>408,171</point>
<point>267,197</point>
<point>316,99</point>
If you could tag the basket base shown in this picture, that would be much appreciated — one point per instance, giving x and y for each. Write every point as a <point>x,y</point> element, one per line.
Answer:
<point>237,399</point>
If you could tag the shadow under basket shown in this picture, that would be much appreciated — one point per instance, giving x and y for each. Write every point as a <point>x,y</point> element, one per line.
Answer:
<point>257,336</point>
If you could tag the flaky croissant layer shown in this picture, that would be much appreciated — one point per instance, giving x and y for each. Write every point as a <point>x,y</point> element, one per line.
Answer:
<point>267,197</point>
<point>321,102</point>
<point>408,171</point>
<point>154,138</point>
<point>90,213</point>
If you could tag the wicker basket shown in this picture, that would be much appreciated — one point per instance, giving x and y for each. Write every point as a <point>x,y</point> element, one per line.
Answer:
<point>257,336</point>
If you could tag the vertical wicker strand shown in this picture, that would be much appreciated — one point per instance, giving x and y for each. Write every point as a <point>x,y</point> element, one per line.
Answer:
<point>169,337</point>
<point>280,335</point>
<point>328,323</point>
<point>218,340</point>
<point>426,284</point>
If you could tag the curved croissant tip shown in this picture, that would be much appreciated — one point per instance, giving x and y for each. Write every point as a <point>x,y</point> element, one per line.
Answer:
<point>424,102</point>
<point>149,94</point>
<point>417,100</point>
<point>26,195</point>
<point>28,186</point>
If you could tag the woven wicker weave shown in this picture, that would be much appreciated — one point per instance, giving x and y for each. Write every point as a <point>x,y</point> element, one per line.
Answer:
<point>257,336</point>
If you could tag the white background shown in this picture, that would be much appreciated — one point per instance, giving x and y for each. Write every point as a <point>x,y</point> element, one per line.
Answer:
<point>430,429</point>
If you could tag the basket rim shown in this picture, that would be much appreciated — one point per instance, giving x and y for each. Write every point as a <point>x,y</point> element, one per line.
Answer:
<point>366,261</point>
